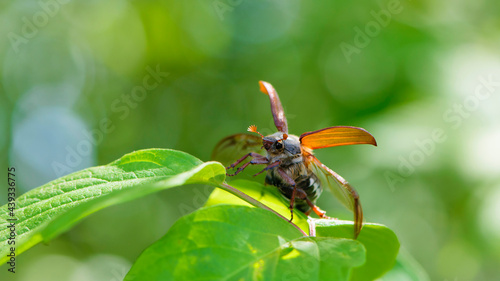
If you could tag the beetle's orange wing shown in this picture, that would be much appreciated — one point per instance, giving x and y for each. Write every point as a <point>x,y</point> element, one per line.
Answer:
<point>336,136</point>
<point>342,190</point>
<point>233,147</point>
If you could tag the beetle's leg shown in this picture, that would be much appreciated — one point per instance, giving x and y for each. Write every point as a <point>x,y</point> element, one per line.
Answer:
<point>319,212</point>
<point>251,154</point>
<point>290,181</point>
<point>275,164</point>
<point>316,209</point>
<point>257,159</point>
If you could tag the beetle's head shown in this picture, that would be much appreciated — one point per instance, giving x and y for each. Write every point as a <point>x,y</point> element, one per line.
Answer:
<point>271,142</point>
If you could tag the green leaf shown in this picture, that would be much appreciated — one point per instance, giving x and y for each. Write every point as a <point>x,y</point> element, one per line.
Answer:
<point>381,245</point>
<point>228,242</point>
<point>380,242</point>
<point>51,209</point>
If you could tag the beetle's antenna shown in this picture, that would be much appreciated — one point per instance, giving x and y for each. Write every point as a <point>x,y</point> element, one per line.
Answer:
<point>253,129</point>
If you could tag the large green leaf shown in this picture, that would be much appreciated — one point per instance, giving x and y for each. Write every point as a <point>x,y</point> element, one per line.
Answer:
<point>228,242</point>
<point>380,242</point>
<point>45,212</point>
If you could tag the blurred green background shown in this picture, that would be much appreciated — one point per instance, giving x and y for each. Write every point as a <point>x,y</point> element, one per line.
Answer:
<point>77,90</point>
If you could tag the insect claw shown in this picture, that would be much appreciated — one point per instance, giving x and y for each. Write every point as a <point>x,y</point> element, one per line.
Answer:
<point>260,172</point>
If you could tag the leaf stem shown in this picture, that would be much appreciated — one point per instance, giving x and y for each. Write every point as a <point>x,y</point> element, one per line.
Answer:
<point>312,227</point>
<point>256,203</point>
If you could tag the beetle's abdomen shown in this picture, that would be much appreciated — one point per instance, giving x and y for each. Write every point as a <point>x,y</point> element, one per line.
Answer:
<point>308,182</point>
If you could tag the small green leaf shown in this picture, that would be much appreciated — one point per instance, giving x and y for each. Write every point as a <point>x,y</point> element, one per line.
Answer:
<point>381,245</point>
<point>51,209</point>
<point>227,242</point>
